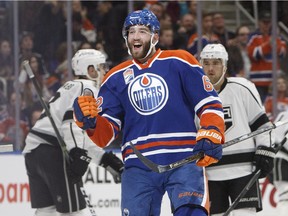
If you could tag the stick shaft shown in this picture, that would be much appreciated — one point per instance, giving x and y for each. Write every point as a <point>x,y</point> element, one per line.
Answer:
<point>47,111</point>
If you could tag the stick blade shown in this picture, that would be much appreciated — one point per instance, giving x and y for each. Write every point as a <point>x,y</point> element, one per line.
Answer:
<point>6,148</point>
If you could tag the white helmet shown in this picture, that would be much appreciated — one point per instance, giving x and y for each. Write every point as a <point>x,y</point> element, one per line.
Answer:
<point>214,51</point>
<point>84,58</point>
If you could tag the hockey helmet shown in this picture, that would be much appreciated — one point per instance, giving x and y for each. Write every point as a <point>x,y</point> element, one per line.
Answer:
<point>214,51</point>
<point>84,58</point>
<point>141,17</point>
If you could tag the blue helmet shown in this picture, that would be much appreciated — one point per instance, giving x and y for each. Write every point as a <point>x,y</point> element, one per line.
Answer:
<point>141,17</point>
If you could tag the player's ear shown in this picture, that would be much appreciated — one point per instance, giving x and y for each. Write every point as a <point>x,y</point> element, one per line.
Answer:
<point>155,38</point>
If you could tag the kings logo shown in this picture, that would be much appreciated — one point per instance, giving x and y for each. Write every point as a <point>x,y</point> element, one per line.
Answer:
<point>148,93</point>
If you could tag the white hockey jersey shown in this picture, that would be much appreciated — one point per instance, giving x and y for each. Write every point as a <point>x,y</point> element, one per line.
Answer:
<point>280,133</point>
<point>61,109</point>
<point>243,113</point>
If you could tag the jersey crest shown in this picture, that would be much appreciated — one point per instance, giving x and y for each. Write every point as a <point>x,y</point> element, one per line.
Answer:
<point>148,93</point>
<point>228,117</point>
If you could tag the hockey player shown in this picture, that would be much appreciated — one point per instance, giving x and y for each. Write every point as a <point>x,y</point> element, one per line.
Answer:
<point>55,186</point>
<point>154,99</point>
<point>280,173</point>
<point>243,113</point>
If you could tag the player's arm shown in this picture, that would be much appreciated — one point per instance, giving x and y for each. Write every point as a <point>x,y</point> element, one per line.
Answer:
<point>209,110</point>
<point>86,116</point>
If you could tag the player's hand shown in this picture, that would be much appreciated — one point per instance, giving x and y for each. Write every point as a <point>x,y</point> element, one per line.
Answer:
<point>78,165</point>
<point>208,142</point>
<point>112,164</point>
<point>85,112</point>
<point>264,160</point>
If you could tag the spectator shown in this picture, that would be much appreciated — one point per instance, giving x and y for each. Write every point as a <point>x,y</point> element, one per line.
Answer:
<point>87,29</point>
<point>207,35</point>
<point>192,5</point>
<point>239,62</point>
<point>158,9</point>
<point>166,21</point>
<point>8,121</point>
<point>186,28</point>
<point>166,39</point>
<point>30,95</point>
<point>282,98</point>
<point>6,66</point>
<point>26,52</point>
<point>219,28</point>
<point>260,53</point>
<point>49,31</point>
<point>109,24</point>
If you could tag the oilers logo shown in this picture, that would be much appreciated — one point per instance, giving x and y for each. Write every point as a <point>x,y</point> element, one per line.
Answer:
<point>148,93</point>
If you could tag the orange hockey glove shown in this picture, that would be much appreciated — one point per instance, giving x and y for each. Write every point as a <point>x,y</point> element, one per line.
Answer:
<point>208,141</point>
<point>85,112</point>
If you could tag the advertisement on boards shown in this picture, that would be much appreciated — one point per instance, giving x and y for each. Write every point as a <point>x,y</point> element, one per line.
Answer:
<point>103,193</point>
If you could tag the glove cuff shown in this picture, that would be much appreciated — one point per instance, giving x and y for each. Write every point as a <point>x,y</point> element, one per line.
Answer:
<point>265,151</point>
<point>212,134</point>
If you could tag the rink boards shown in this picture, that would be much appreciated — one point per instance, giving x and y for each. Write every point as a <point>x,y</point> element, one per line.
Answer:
<point>103,192</point>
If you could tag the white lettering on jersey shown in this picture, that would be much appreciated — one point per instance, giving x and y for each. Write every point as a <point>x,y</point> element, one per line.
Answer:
<point>148,93</point>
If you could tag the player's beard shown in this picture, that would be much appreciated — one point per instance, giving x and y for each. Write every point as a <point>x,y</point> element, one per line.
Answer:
<point>141,53</point>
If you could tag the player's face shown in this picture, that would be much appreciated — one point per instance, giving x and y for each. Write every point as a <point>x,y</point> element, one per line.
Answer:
<point>139,37</point>
<point>213,68</point>
<point>92,72</point>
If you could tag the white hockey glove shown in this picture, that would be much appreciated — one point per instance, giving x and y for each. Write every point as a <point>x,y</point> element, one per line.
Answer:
<point>112,164</point>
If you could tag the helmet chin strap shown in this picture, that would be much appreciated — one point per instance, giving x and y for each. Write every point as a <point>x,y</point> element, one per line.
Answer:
<point>221,78</point>
<point>150,49</point>
<point>151,46</point>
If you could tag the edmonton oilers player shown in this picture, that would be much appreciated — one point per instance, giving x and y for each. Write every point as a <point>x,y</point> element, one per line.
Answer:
<point>154,99</point>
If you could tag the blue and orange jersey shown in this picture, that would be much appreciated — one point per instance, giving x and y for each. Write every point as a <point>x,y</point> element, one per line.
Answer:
<point>259,50</point>
<point>155,105</point>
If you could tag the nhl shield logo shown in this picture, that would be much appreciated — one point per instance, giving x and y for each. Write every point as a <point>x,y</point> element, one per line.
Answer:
<point>148,93</point>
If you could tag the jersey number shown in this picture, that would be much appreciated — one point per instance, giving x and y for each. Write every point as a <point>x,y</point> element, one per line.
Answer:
<point>207,84</point>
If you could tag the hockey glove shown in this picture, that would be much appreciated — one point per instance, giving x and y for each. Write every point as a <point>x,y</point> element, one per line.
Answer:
<point>264,160</point>
<point>78,165</point>
<point>112,164</point>
<point>209,142</point>
<point>85,112</point>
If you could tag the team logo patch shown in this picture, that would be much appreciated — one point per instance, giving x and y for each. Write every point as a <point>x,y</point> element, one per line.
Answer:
<point>228,117</point>
<point>148,93</point>
<point>128,75</point>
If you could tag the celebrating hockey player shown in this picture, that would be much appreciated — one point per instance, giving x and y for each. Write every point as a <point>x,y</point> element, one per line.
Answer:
<point>243,113</point>
<point>154,99</point>
<point>56,186</point>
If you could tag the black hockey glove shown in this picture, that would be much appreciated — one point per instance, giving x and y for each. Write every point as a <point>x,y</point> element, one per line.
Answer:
<point>112,164</point>
<point>78,165</point>
<point>264,160</point>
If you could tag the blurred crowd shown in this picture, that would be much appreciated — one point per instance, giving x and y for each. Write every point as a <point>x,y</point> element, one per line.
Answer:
<point>98,25</point>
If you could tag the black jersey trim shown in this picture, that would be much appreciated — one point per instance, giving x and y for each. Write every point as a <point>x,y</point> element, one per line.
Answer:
<point>68,115</point>
<point>49,138</point>
<point>235,158</point>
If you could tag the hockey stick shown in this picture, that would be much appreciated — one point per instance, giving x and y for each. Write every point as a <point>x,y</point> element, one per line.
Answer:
<point>44,105</point>
<point>163,168</point>
<point>59,138</point>
<point>252,181</point>
<point>6,148</point>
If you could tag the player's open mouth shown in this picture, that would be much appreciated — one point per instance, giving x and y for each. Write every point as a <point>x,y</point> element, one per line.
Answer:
<point>137,46</point>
